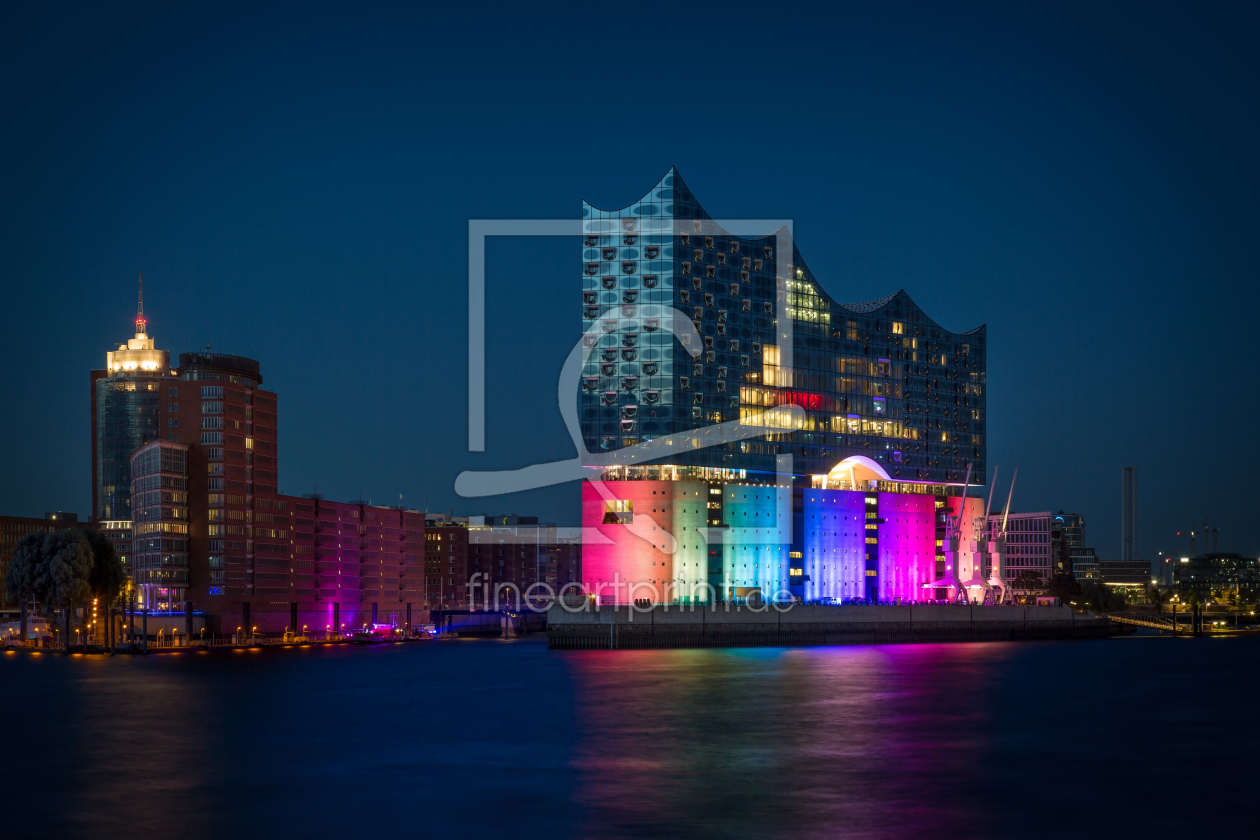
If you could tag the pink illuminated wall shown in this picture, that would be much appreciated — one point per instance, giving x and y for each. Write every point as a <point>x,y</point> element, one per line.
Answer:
<point>663,516</point>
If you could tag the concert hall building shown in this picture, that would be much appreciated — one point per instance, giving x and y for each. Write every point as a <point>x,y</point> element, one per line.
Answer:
<point>695,340</point>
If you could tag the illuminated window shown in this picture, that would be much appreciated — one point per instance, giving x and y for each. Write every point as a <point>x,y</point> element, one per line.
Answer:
<point>898,327</point>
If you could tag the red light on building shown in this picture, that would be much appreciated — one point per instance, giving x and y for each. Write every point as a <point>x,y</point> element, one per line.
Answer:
<point>813,402</point>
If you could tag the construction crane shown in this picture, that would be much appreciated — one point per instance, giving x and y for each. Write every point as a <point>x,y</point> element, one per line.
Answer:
<point>1192,534</point>
<point>997,544</point>
<point>954,537</point>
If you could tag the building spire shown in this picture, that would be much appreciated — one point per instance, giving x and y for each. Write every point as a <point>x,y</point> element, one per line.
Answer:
<point>141,323</point>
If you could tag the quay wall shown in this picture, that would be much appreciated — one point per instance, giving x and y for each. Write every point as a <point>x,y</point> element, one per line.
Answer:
<point>722,625</point>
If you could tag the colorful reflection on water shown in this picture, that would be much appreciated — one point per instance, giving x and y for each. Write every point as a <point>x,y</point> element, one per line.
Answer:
<point>864,741</point>
<point>485,739</point>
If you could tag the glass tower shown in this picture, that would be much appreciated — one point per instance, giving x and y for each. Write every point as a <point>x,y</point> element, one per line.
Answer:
<point>700,345</point>
<point>878,378</point>
<point>126,397</point>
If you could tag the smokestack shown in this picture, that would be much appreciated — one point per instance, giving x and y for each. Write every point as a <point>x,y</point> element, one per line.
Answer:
<point>1128,514</point>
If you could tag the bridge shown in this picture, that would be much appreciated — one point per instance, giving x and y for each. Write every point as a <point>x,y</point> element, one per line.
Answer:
<point>1145,619</point>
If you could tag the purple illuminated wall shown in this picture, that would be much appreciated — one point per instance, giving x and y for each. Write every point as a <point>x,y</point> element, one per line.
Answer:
<point>835,544</point>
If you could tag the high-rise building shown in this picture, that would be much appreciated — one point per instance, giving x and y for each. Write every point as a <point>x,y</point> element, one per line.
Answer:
<point>693,337</point>
<point>258,559</point>
<point>159,509</point>
<point>126,396</point>
<point>1073,527</point>
<point>218,408</point>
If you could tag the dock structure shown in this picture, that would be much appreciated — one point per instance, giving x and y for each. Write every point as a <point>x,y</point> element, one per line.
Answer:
<point>722,625</point>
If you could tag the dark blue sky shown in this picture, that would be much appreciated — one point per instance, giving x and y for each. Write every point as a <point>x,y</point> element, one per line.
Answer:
<point>296,185</point>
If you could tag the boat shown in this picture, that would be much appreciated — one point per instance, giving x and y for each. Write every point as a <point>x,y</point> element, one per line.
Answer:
<point>37,628</point>
<point>376,633</point>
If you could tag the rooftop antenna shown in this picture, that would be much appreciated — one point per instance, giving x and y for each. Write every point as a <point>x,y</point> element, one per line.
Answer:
<point>140,322</point>
<point>1007,513</point>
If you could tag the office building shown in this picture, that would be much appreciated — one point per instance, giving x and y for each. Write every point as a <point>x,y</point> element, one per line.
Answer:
<point>1072,526</point>
<point>160,521</point>
<point>218,408</point>
<point>1133,575</point>
<point>1085,565</point>
<point>688,326</point>
<point>126,403</point>
<point>1030,544</point>
<point>1219,576</point>
<point>471,559</point>
<point>446,562</point>
<point>119,533</point>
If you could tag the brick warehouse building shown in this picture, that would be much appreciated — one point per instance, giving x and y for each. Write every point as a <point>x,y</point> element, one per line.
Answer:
<point>255,557</point>
<point>503,551</point>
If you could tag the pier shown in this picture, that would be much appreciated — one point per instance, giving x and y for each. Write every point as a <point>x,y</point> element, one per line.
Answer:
<point>722,625</point>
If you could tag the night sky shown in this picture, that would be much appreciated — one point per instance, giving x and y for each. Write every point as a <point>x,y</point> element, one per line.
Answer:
<point>296,184</point>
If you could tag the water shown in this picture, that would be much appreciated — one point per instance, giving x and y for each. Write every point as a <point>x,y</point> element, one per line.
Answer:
<point>1093,739</point>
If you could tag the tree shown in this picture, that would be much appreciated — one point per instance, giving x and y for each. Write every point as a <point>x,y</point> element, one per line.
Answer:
<point>107,577</point>
<point>1027,581</point>
<point>63,573</point>
<point>1065,588</point>
<point>1101,598</point>
<point>20,581</point>
<point>1158,596</point>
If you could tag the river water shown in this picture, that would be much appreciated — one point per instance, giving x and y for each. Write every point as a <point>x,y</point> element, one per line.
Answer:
<point>1102,738</point>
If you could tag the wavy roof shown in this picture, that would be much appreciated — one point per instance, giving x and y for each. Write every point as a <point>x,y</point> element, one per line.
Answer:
<point>672,199</point>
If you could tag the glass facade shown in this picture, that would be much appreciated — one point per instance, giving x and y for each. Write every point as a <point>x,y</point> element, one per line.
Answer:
<point>126,402</point>
<point>159,497</point>
<point>878,378</point>
<point>127,408</point>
